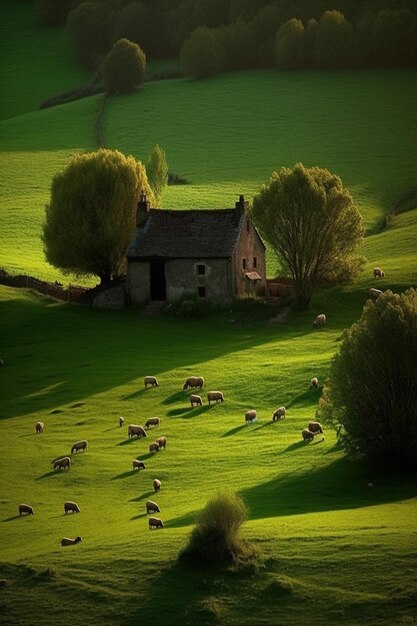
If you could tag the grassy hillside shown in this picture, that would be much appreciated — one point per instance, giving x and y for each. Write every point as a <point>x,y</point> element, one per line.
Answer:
<point>226,136</point>
<point>36,62</point>
<point>332,551</point>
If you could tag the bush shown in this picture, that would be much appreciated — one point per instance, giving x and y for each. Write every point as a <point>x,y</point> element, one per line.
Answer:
<point>124,67</point>
<point>202,54</point>
<point>371,394</point>
<point>89,28</point>
<point>290,45</point>
<point>215,540</point>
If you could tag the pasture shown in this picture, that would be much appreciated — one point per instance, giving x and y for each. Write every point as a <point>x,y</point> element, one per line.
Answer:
<point>331,550</point>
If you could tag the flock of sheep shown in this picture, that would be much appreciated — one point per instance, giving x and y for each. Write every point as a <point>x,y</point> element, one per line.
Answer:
<point>137,431</point>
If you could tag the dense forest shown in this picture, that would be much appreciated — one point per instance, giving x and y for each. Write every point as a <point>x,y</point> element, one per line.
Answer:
<point>237,34</point>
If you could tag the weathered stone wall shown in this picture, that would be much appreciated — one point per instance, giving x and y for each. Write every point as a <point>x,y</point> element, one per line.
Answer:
<point>182,277</point>
<point>249,247</point>
<point>138,281</point>
<point>112,298</point>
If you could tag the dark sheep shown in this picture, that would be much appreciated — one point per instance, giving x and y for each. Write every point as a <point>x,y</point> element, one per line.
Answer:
<point>196,400</point>
<point>279,414</point>
<point>71,507</point>
<point>66,541</point>
<point>25,509</point>
<point>39,427</point>
<point>194,382</point>
<point>154,447</point>
<point>307,435</point>
<point>152,507</point>
<point>151,380</point>
<point>250,416</point>
<point>79,445</point>
<point>162,442</point>
<point>215,396</point>
<point>315,427</point>
<point>378,273</point>
<point>136,431</point>
<point>155,522</point>
<point>152,421</point>
<point>374,293</point>
<point>138,464</point>
<point>62,463</point>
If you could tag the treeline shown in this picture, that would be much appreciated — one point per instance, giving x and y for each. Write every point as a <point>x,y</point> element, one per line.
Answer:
<point>237,34</point>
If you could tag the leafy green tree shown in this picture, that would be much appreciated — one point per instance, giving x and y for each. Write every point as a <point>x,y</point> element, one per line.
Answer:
<point>371,394</point>
<point>393,38</point>
<point>290,45</point>
<point>201,54</point>
<point>334,41</point>
<point>90,218</point>
<point>311,223</point>
<point>89,28</point>
<point>131,23</point>
<point>53,13</point>
<point>157,172</point>
<point>124,67</point>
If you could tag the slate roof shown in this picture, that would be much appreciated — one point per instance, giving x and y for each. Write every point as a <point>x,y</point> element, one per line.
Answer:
<point>194,233</point>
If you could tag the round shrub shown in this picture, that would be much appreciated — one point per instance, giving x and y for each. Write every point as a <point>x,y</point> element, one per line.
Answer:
<point>371,394</point>
<point>201,54</point>
<point>124,67</point>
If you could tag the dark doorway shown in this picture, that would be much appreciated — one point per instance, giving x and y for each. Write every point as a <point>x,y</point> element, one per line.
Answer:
<point>158,284</point>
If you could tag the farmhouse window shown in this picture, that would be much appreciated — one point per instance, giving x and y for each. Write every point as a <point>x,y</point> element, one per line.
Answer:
<point>244,263</point>
<point>201,292</point>
<point>201,269</point>
<point>255,262</point>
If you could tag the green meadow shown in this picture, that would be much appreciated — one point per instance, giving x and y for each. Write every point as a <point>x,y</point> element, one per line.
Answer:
<point>331,551</point>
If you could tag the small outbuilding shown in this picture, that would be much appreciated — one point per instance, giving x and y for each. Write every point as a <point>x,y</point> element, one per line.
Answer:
<point>214,254</point>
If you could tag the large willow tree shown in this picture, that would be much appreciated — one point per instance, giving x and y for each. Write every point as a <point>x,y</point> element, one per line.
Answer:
<point>92,211</point>
<point>310,221</point>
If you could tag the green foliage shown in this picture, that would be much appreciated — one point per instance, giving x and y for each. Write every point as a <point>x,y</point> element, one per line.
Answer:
<point>89,28</point>
<point>310,221</point>
<point>157,172</point>
<point>53,12</point>
<point>370,397</point>
<point>215,540</point>
<point>290,45</point>
<point>334,41</point>
<point>91,215</point>
<point>201,54</point>
<point>124,67</point>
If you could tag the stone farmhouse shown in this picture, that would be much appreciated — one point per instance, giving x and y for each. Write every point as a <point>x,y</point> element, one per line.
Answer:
<point>212,254</point>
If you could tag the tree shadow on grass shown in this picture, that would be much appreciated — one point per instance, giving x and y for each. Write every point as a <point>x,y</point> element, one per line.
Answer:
<point>339,485</point>
<point>305,399</point>
<point>233,431</point>
<point>184,520</point>
<point>143,496</point>
<point>175,397</point>
<point>13,517</point>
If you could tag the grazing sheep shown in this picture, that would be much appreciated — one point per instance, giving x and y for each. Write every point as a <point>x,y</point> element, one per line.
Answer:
<point>314,383</point>
<point>138,464</point>
<point>279,414</point>
<point>196,400</point>
<point>62,463</point>
<point>215,396</point>
<point>307,434</point>
<point>194,382</point>
<point>121,421</point>
<point>136,431</point>
<point>162,442</point>
<point>156,485</point>
<point>315,427</point>
<point>374,293</point>
<point>155,522</point>
<point>79,445</point>
<point>71,507</point>
<point>320,320</point>
<point>3,582</point>
<point>154,447</point>
<point>378,273</point>
<point>25,508</point>
<point>152,421</point>
<point>39,427</point>
<point>152,507</point>
<point>66,541</point>
<point>151,380</point>
<point>250,416</point>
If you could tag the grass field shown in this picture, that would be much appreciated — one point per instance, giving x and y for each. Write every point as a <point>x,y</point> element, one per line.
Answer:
<point>331,550</point>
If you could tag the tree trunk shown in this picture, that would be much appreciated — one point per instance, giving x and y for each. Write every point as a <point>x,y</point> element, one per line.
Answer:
<point>303,293</point>
<point>105,279</point>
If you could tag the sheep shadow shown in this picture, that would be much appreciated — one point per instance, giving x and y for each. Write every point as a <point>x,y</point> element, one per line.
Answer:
<point>183,520</point>
<point>49,474</point>
<point>125,474</point>
<point>189,412</point>
<point>126,442</point>
<point>233,431</point>
<point>140,516</point>
<point>13,517</point>
<point>339,485</point>
<point>56,412</point>
<point>265,425</point>
<point>143,496</point>
<point>77,405</point>
<point>135,394</point>
<point>294,446</point>
<point>175,397</point>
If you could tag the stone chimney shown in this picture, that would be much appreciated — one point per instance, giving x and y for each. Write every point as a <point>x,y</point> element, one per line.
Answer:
<point>242,203</point>
<point>142,211</point>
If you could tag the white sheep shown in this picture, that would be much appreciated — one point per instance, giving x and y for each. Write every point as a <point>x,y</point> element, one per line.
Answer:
<point>152,507</point>
<point>314,383</point>
<point>320,320</point>
<point>151,380</point>
<point>156,485</point>
<point>279,414</point>
<point>194,382</point>
<point>121,421</point>
<point>138,464</point>
<point>378,273</point>
<point>215,396</point>
<point>39,427</point>
<point>154,447</point>
<point>196,400</point>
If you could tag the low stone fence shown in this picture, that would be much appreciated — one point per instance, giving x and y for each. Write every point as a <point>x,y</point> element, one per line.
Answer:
<point>72,293</point>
